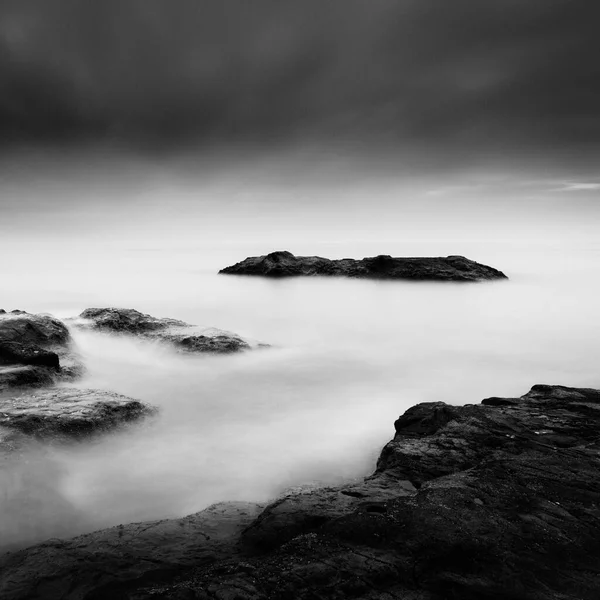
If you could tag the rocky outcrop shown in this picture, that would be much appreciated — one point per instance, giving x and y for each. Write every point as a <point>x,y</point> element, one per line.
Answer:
<point>499,500</point>
<point>68,411</point>
<point>181,335</point>
<point>127,320</point>
<point>35,350</point>
<point>285,264</point>
<point>115,560</point>
<point>40,330</point>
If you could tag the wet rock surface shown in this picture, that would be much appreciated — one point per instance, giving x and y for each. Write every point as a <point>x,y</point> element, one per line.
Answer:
<point>35,350</point>
<point>14,376</point>
<point>180,335</point>
<point>127,320</point>
<point>498,500</point>
<point>33,426</point>
<point>285,264</point>
<point>25,328</point>
<point>113,561</point>
<point>68,411</point>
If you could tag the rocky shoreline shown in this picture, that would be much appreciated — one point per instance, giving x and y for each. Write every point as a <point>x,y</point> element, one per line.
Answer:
<point>35,350</point>
<point>285,264</point>
<point>497,500</point>
<point>38,354</point>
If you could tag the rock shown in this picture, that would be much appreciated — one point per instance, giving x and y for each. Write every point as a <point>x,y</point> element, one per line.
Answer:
<point>15,353</point>
<point>220,343</point>
<point>31,428</point>
<point>35,350</point>
<point>68,411</point>
<point>178,334</point>
<point>495,501</point>
<point>124,556</point>
<point>285,264</point>
<point>127,320</point>
<point>25,376</point>
<point>44,331</point>
<point>495,401</point>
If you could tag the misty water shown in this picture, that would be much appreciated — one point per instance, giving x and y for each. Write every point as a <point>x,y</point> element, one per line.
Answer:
<point>347,356</point>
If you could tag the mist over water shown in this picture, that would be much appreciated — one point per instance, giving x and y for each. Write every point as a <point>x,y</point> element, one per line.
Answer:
<point>347,357</point>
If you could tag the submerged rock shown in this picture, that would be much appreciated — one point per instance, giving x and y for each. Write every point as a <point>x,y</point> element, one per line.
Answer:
<point>498,500</point>
<point>68,411</point>
<point>285,264</point>
<point>181,335</point>
<point>35,350</point>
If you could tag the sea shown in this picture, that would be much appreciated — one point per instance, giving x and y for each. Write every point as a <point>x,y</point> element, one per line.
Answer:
<point>346,357</point>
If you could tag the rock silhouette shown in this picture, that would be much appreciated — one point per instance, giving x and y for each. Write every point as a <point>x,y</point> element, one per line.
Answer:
<point>285,264</point>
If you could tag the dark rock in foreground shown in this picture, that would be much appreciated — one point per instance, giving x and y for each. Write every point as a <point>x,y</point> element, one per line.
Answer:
<point>130,555</point>
<point>179,334</point>
<point>35,350</point>
<point>68,411</point>
<point>285,264</point>
<point>499,500</point>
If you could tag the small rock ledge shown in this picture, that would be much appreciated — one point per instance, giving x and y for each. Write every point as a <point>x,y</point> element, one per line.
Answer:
<point>178,334</point>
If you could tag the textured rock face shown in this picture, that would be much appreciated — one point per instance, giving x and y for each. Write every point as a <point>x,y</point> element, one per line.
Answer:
<point>499,500</point>
<point>285,264</point>
<point>67,411</point>
<point>40,330</point>
<point>14,376</point>
<point>179,334</point>
<point>123,557</point>
<point>127,320</point>
<point>35,350</point>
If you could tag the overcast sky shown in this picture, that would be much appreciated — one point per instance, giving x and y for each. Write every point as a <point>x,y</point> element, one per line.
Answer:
<point>465,74</point>
<point>203,119</point>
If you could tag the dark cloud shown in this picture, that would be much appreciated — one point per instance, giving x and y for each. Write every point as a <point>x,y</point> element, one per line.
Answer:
<point>466,72</point>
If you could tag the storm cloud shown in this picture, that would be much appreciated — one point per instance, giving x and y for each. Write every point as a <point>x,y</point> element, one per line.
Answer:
<point>466,72</point>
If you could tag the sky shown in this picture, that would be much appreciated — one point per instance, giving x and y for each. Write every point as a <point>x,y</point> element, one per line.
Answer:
<point>469,75</point>
<point>126,115</point>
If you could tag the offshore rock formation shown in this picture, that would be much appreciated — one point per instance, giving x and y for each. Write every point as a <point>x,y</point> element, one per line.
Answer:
<point>35,350</point>
<point>499,500</point>
<point>285,264</point>
<point>179,334</point>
